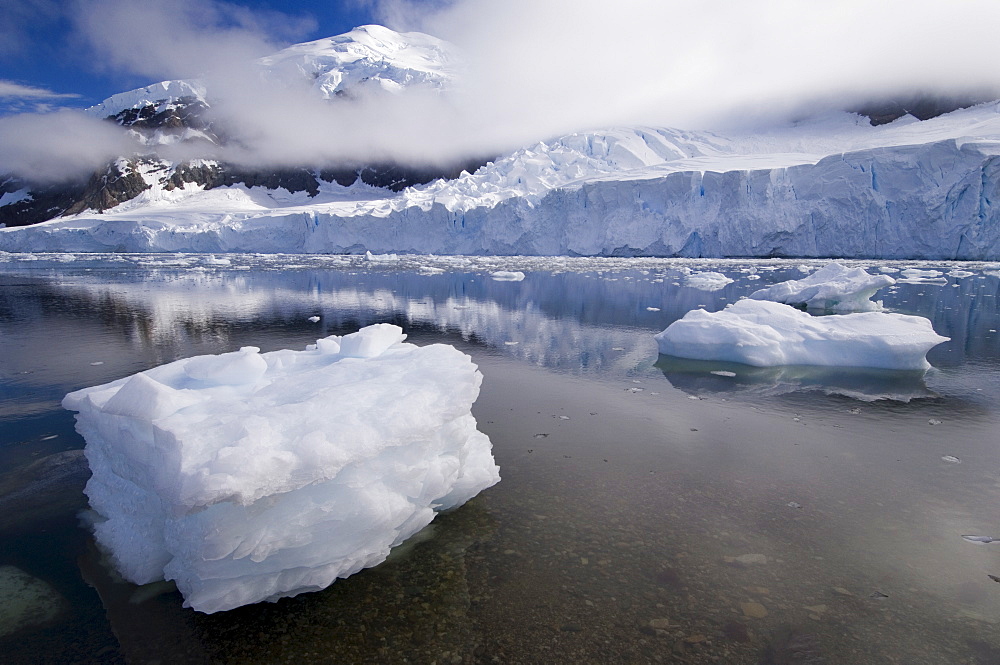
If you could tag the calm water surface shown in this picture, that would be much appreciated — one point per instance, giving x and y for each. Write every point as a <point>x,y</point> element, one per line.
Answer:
<point>650,510</point>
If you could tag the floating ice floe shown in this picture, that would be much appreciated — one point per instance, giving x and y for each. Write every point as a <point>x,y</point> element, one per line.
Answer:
<point>507,276</point>
<point>918,276</point>
<point>832,288</point>
<point>765,334</point>
<point>381,258</point>
<point>706,281</point>
<point>246,477</point>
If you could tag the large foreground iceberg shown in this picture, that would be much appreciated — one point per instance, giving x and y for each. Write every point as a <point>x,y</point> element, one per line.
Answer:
<point>248,476</point>
<point>767,334</point>
<point>832,288</point>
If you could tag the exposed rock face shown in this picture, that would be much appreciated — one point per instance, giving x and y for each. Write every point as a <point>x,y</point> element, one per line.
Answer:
<point>117,183</point>
<point>120,182</point>
<point>921,107</point>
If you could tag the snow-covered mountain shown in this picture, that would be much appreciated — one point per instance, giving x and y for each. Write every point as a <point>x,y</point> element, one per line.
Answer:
<point>833,185</point>
<point>368,61</point>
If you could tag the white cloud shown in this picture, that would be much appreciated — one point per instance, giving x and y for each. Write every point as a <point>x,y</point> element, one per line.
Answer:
<point>12,90</point>
<point>183,38</point>
<point>59,145</point>
<point>542,68</point>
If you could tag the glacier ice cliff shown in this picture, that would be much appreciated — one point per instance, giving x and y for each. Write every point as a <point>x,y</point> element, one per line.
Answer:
<point>832,187</point>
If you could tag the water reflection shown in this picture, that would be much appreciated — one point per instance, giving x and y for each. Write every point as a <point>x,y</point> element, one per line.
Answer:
<point>765,519</point>
<point>699,377</point>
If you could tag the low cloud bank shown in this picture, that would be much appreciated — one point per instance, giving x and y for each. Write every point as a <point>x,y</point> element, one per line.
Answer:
<point>534,69</point>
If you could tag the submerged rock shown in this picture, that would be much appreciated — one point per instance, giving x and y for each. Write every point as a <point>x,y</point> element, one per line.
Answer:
<point>27,601</point>
<point>48,488</point>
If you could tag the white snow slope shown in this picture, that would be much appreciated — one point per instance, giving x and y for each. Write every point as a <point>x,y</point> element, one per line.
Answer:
<point>831,186</point>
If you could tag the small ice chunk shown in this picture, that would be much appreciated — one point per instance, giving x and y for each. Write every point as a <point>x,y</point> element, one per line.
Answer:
<point>951,459</point>
<point>507,276</point>
<point>97,362</point>
<point>912,273</point>
<point>933,421</point>
<point>981,540</point>
<point>652,309</point>
<point>313,319</point>
<point>706,281</point>
<point>918,276</point>
<point>765,334</point>
<point>723,372</point>
<point>960,274</point>
<point>832,288</point>
<point>381,258</point>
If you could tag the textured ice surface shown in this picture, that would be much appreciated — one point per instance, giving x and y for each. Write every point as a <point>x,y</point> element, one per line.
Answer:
<point>706,281</point>
<point>832,288</point>
<point>831,186</point>
<point>248,476</point>
<point>765,334</point>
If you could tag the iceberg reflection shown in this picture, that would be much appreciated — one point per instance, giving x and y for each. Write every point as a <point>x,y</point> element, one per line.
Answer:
<point>700,377</point>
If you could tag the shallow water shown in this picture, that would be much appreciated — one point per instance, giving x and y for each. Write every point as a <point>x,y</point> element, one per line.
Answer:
<point>650,511</point>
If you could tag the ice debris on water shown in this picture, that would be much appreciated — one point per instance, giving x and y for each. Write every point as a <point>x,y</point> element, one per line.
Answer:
<point>97,362</point>
<point>313,319</point>
<point>507,276</point>
<point>707,281</point>
<point>981,540</point>
<point>951,459</point>
<point>766,334</point>
<point>832,288</point>
<point>793,504</point>
<point>723,372</point>
<point>933,421</point>
<point>246,477</point>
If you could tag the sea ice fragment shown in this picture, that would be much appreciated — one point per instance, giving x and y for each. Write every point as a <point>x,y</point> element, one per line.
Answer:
<point>764,334</point>
<point>832,288</point>
<point>246,477</point>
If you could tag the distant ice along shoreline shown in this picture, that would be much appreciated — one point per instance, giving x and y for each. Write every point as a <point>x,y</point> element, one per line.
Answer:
<point>832,187</point>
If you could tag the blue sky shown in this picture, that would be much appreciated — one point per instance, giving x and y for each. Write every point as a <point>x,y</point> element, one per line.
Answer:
<point>46,61</point>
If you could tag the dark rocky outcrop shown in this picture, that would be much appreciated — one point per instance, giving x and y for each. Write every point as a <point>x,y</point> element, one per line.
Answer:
<point>110,188</point>
<point>921,107</point>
